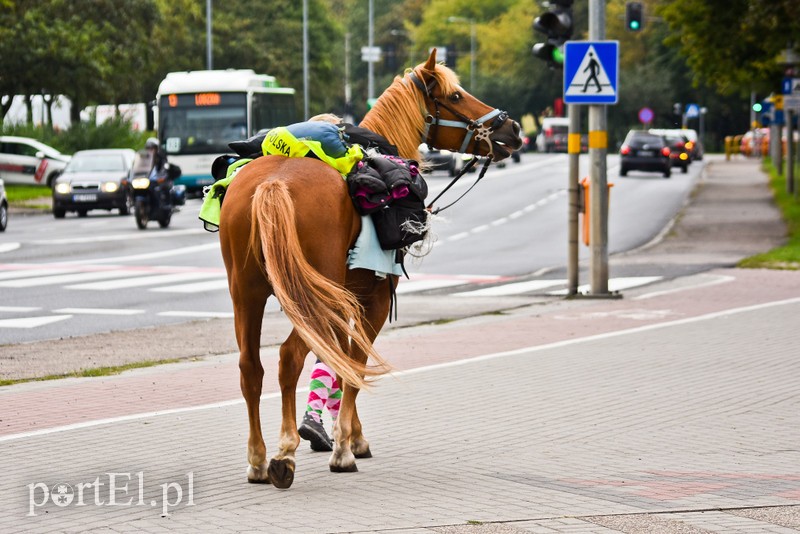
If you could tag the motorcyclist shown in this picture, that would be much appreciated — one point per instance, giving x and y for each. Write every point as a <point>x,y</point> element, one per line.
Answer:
<point>159,175</point>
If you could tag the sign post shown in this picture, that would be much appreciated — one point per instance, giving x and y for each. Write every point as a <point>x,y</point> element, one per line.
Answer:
<point>591,76</point>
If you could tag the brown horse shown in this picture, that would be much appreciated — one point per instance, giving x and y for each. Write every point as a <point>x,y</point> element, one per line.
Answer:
<point>285,229</point>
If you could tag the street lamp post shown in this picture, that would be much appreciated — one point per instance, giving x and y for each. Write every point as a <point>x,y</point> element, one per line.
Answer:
<point>472,54</point>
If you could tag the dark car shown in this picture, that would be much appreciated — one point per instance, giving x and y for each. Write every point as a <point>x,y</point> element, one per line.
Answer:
<point>95,179</point>
<point>680,152</point>
<point>440,160</point>
<point>644,151</point>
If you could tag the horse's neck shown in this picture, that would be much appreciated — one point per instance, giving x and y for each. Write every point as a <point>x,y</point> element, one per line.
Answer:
<point>407,148</point>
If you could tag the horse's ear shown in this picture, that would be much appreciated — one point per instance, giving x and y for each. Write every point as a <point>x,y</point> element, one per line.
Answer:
<point>430,65</point>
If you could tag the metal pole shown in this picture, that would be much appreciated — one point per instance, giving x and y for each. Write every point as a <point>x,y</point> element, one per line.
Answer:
<point>472,56</point>
<point>209,54</point>
<point>305,59</point>
<point>348,92</point>
<point>789,152</point>
<point>598,147</point>
<point>574,149</point>
<point>370,64</point>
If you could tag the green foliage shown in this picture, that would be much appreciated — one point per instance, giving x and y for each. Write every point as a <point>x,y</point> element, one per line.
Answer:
<point>732,45</point>
<point>787,256</point>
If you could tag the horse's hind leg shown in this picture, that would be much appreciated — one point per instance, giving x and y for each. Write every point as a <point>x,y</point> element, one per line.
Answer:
<point>282,465</point>
<point>349,440</point>
<point>248,306</point>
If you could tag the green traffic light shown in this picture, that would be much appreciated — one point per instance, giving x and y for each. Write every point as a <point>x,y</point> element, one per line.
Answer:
<point>634,25</point>
<point>757,107</point>
<point>558,55</point>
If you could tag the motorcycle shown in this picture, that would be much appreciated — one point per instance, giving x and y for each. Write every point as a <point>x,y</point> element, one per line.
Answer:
<point>155,198</point>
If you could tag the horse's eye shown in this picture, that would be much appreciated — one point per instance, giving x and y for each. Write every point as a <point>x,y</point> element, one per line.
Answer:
<point>456,97</point>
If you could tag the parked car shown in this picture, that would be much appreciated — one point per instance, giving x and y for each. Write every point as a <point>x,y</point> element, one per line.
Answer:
<point>680,153</point>
<point>27,161</point>
<point>440,160</point>
<point>645,151</point>
<point>3,207</point>
<point>95,179</point>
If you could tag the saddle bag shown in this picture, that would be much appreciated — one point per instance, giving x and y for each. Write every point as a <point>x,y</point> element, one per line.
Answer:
<point>392,191</point>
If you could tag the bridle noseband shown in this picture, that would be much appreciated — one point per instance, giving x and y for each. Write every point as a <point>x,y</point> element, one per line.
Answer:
<point>473,127</point>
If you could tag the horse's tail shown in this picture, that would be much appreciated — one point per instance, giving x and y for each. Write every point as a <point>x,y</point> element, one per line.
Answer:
<point>318,308</point>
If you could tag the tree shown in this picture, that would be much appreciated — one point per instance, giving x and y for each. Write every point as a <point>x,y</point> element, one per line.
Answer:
<point>732,45</point>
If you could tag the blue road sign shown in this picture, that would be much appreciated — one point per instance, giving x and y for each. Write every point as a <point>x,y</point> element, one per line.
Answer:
<point>591,72</point>
<point>692,111</point>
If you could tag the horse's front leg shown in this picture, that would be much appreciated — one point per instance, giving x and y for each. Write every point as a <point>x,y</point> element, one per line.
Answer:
<point>282,465</point>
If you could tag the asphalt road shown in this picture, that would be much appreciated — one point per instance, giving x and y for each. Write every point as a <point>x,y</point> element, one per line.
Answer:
<point>78,276</point>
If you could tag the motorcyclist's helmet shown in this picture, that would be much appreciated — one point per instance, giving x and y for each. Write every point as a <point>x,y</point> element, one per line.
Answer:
<point>151,143</point>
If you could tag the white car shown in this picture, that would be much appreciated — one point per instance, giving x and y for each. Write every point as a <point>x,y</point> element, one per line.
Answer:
<point>27,161</point>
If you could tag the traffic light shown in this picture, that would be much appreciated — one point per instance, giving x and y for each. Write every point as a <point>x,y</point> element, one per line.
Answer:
<point>757,107</point>
<point>634,16</point>
<point>556,24</point>
<point>549,53</point>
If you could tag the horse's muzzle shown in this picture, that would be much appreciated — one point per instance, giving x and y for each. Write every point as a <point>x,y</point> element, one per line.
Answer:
<point>506,139</point>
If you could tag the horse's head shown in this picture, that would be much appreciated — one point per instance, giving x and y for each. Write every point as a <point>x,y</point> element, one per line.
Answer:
<point>456,120</point>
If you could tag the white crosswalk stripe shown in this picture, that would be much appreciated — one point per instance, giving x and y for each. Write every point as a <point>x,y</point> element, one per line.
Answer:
<point>68,278</point>
<point>154,280</point>
<point>199,287</point>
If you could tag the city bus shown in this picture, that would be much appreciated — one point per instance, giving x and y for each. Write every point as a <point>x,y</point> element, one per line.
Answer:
<point>199,112</point>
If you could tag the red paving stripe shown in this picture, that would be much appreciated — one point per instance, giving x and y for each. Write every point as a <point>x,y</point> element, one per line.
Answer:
<point>33,407</point>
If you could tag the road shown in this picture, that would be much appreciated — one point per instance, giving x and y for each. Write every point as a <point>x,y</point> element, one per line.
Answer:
<point>79,276</point>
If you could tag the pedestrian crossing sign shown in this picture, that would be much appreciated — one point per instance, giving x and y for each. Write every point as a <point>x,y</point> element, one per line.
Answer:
<point>591,72</point>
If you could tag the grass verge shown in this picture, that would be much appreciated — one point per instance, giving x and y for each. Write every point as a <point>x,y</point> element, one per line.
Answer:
<point>97,371</point>
<point>19,194</point>
<point>788,256</point>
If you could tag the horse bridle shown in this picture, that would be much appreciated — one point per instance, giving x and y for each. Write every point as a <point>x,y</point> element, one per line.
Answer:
<point>473,127</point>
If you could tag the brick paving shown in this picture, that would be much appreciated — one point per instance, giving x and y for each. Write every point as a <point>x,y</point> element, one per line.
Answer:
<point>675,409</point>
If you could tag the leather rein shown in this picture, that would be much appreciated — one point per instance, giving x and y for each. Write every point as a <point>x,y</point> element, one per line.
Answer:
<point>476,131</point>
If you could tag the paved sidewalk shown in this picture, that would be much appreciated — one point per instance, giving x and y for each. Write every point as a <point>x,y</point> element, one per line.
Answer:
<point>675,409</point>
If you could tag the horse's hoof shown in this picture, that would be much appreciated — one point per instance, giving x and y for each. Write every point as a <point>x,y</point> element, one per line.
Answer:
<point>281,472</point>
<point>352,468</point>
<point>258,475</point>
<point>365,454</point>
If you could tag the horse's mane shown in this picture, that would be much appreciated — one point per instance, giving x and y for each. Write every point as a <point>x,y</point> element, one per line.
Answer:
<point>399,113</point>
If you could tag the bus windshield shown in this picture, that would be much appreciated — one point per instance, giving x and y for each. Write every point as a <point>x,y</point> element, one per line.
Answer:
<point>202,123</point>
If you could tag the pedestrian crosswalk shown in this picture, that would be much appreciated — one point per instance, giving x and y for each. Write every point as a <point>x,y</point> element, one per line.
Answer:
<point>196,280</point>
<point>188,280</point>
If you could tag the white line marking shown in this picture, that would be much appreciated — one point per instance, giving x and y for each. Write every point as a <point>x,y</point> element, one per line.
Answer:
<point>24,272</point>
<point>147,256</point>
<point>503,220</point>
<point>8,247</point>
<point>222,315</point>
<point>210,285</point>
<point>144,281</point>
<point>32,322</point>
<point>511,289</point>
<point>14,309</point>
<point>467,361</point>
<point>98,311</point>
<point>721,279</point>
<point>616,284</point>
<point>69,278</point>
<point>411,286</point>
<point>118,237</point>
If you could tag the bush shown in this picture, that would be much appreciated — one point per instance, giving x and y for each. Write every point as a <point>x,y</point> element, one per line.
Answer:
<point>114,133</point>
